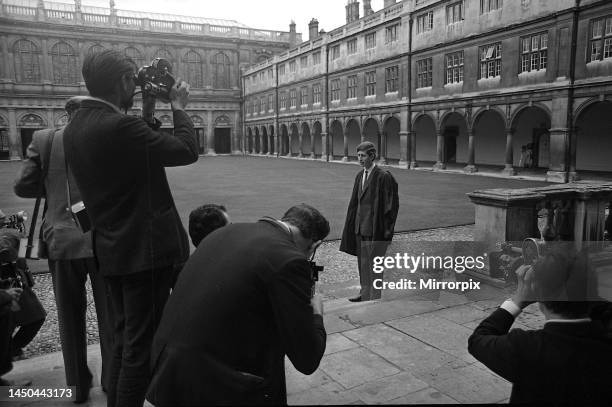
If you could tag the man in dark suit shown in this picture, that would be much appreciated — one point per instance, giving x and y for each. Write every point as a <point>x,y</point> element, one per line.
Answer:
<point>570,359</point>
<point>204,220</point>
<point>70,256</point>
<point>119,163</point>
<point>242,302</point>
<point>370,219</point>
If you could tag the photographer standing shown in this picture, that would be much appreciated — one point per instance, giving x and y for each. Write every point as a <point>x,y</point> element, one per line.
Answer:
<point>242,302</point>
<point>118,162</point>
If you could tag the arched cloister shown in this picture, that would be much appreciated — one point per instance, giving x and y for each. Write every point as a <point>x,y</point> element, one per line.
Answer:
<point>337,140</point>
<point>249,141</point>
<point>284,140</point>
<point>594,137</point>
<point>353,139</point>
<point>257,142</point>
<point>306,140</point>
<point>264,140</point>
<point>455,133</point>
<point>294,139</point>
<point>317,140</point>
<point>426,142</point>
<point>531,127</point>
<point>490,138</point>
<point>391,148</point>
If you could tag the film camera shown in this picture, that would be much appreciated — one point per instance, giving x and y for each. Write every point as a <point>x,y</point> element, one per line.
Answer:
<point>156,79</point>
<point>314,275</point>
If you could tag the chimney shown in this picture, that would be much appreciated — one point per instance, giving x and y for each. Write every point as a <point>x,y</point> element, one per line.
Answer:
<point>389,3</point>
<point>292,34</point>
<point>367,8</point>
<point>352,11</point>
<point>313,29</point>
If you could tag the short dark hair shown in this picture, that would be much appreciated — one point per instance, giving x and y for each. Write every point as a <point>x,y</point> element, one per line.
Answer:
<point>204,220</point>
<point>103,69</point>
<point>367,147</point>
<point>311,223</point>
<point>564,282</point>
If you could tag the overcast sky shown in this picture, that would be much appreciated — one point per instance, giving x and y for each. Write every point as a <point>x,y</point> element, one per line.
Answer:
<point>266,14</point>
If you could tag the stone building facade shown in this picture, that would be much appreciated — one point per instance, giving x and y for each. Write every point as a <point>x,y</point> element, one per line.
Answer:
<point>468,84</point>
<point>43,44</point>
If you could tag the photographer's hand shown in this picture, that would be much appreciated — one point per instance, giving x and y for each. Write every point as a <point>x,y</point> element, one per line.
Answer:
<point>317,304</point>
<point>525,292</point>
<point>148,106</point>
<point>179,95</point>
<point>15,293</point>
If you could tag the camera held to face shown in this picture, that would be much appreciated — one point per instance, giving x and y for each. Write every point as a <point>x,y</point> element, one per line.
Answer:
<point>156,79</point>
<point>314,275</point>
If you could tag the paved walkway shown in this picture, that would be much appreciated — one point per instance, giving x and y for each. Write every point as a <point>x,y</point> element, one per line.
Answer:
<point>408,350</point>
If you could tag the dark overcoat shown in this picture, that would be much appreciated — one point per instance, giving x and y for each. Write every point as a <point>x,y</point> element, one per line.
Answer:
<point>119,163</point>
<point>384,208</point>
<point>241,303</point>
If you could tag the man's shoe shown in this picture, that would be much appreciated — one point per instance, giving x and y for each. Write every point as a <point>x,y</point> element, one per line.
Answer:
<point>16,383</point>
<point>355,299</point>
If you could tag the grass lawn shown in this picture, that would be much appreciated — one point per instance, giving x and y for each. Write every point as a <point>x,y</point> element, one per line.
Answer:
<point>251,187</point>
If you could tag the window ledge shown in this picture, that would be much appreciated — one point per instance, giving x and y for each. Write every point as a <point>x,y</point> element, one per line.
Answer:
<point>370,97</point>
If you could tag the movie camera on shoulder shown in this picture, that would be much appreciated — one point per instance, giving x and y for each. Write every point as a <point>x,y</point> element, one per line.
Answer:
<point>156,79</point>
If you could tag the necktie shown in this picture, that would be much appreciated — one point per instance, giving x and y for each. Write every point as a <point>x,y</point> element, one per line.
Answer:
<point>365,177</point>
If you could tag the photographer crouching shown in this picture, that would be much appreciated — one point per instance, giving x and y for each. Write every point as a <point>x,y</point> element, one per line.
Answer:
<point>118,162</point>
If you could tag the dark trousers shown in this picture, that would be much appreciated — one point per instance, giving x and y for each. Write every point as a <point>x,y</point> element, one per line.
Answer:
<point>367,249</point>
<point>24,335</point>
<point>137,300</point>
<point>69,278</point>
<point>6,330</point>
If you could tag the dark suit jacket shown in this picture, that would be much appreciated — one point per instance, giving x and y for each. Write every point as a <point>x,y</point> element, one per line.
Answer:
<point>64,239</point>
<point>118,162</point>
<point>563,362</point>
<point>380,209</point>
<point>241,303</point>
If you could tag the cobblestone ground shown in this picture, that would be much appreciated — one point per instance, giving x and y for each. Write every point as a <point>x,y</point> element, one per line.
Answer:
<point>339,268</point>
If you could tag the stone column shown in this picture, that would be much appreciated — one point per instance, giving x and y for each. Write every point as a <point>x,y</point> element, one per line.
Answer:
<point>210,136</point>
<point>270,143</point>
<point>346,137</point>
<point>300,142</point>
<point>440,164</point>
<point>413,148</point>
<point>383,148</point>
<point>509,164</point>
<point>14,139</point>
<point>557,169</point>
<point>471,164</point>
<point>289,141</point>
<point>46,64</point>
<point>312,145</point>
<point>324,140</point>
<point>573,173</point>
<point>277,137</point>
<point>404,146</point>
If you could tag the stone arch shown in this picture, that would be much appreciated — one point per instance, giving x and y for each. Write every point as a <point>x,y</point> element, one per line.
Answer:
<point>353,138</point>
<point>371,132</point>
<point>317,129</point>
<point>192,68</point>
<point>264,140</point>
<point>257,141</point>
<point>306,140</point>
<point>249,141</point>
<point>489,129</point>
<point>391,131</point>
<point>221,67</point>
<point>531,130</point>
<point>96,47</point>
<point>272,137</point>
<point>136,53</point>
<point>284,140</point>
<point>294,139</point>
<point>336,132</point>
<point>420,115</point>
<point>453,127</point>
<point>31,120</point>
<point>484,110</point>
<point>426,138</point>
<point>593,126</point>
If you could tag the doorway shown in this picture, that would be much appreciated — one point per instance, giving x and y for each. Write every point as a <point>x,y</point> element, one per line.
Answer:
<point>223,142</point>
